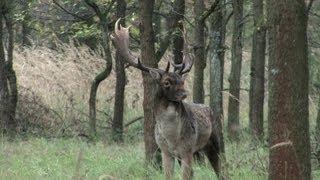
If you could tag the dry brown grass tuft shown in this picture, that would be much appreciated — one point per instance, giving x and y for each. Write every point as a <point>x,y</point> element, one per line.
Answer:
<point>59,81</point>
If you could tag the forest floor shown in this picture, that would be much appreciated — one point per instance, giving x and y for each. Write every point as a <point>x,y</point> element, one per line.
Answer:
<point>39,158</point>
<point>53,94</point>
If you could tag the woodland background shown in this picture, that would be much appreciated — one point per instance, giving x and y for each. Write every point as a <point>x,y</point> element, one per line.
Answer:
<point>70,107</point>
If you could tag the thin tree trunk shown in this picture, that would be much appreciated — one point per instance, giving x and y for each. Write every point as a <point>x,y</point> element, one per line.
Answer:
<point>235,74</point>
<point>318,120</point>
<point>256,95</point>
<point>4,91</point>
<point>25,27</point>
<point>8,86</point>
<point>317,131</point>
<point>216,53</point>
<point>199,52</point>
<point>117,123</point>
<point>178,42</point>
<point>105,73</point>
<point>11,75</point>
<point>173,25</point>
<point>217,41</point>
<point>157,21</point>
<point>288,115</point>
<point>148,58</point>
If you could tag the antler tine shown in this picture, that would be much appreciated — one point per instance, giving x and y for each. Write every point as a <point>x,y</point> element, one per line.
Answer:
<point>116,26</point>
<point>188,63</point>
<point>120,39</point>
<point>168,66</point>
<point>182,67</point>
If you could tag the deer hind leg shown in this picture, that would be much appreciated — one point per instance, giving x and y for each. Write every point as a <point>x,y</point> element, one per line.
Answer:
<point>213,156</point>
<point>187,166</point>
<point>168,164</point>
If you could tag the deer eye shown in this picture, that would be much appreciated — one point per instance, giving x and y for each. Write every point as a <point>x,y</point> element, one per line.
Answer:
<point>166,84</point>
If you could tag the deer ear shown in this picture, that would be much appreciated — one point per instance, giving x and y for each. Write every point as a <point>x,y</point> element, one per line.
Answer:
<point>156,75</point>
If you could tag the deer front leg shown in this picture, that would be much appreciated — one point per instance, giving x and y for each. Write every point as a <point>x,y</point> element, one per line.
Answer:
<point>168,164</point>
<point>187,166</point>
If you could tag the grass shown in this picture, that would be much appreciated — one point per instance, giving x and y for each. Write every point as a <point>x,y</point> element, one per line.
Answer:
<point>67,74</point>
<point>39,158</point>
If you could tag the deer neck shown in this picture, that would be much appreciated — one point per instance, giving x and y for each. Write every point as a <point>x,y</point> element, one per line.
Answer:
<point>174,125</point>
<point>165,105</point>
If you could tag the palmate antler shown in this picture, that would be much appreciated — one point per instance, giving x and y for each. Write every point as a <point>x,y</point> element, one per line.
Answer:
<point>121,41</point>
<point>185,66</point>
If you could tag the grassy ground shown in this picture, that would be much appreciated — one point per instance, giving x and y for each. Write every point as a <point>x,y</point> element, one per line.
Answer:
<point>60,108</point>
<point>37,158</point>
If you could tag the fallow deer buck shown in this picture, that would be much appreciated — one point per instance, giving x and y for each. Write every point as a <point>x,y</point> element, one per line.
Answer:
<point>181,128</point>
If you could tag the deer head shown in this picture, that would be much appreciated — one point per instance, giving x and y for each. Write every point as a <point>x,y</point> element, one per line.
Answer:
<point>171,84</point>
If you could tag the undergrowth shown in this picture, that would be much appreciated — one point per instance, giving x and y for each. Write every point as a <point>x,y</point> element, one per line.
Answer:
<point>53,120</point>
<point>74,158</point>
<point>38,158</point>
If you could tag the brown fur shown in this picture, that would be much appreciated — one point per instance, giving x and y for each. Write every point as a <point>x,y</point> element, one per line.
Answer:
<point>181,128</point>
<point>184,128</point>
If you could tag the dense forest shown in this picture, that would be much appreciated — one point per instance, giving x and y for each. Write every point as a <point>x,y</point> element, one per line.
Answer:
<point>123,89</point>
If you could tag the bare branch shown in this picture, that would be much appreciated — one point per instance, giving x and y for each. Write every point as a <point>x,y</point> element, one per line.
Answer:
<point>70,13</point>
<point>208,12</point>
<point>309,6</point>
<point>133,121</point>
<point>173,23</point>
<point>94,7</point>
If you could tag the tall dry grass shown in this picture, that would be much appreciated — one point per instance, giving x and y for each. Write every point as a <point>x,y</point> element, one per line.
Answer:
<point>59,82</point>
<point>54,87</point>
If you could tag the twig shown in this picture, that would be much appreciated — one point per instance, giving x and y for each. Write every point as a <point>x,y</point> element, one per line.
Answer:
<point>70,13</point>
<point>133,121</point>
<point>229,17</point>
<point>309,6</point>
<point>286,143</point>
<point>94,7</point>
<point>242,89</point>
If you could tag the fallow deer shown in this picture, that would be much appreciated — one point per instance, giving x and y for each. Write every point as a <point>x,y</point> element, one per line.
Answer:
<point>181,128</point>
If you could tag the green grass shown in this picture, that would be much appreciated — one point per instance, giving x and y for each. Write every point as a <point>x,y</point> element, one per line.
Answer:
<point>38,158</point>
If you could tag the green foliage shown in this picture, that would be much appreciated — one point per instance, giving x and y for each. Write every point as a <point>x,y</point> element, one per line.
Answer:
<point>83,30</point>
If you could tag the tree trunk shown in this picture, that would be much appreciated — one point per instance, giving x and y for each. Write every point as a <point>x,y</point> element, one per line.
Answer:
<point>178,42</point>
<point>8,84</point>
<point>256,95</point>
<point>4,90</point>
<point>199,52</point>
<point>317,131</point>
<point>157,21</point>
<point>148,58</point>
<point>288,115</point>
<point>11,75</point>
<point>172,26</point>
<point>117,123</point>
<point>217,33</point>
<point>234,79</point>
<point>217,41</point>
<point>105,73</point>
<point>318,119</point>
<point>25,27</point>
